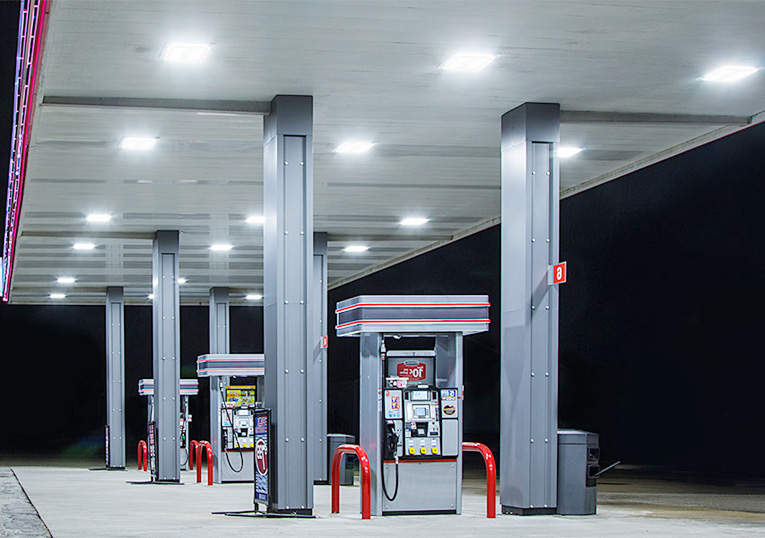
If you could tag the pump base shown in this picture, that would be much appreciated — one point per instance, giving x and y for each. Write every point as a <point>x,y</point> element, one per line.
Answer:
<point>515,511</point>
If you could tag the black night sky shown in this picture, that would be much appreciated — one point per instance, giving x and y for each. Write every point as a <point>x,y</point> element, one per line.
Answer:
<point>660,344</point>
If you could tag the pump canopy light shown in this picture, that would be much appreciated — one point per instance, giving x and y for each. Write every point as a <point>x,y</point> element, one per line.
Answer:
<point>57,296</point>
<point>182,280</point>
<point>253,297</point>
<point>185,52</point>
<point>65,280</point>
<point>356,248</point>
<point>568,151</point>
<point>221,247</point>
<point>414,221</point>
<point>98,217</point>
<point>730,73</point>
<point>354,147</point>
<point>467,62</point>
<point>83,246</point>
<point>255,219</point>
<point>134,143</point>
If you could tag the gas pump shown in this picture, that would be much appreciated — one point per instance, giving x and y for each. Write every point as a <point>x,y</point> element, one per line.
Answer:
<point>232,413</point>
<point>188,387</point>
<point>411,395</point>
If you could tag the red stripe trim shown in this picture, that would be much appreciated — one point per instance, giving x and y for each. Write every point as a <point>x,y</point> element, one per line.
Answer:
<point>431,321</point>
<point>230,360</point>
<point>407,305</point>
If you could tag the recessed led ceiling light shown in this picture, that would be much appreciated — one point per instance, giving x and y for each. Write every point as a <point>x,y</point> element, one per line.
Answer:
<point>354,147</point>
<point>568,151</point>
<point>182,280</point>
<point>356,248</point>
<point>730,73</point>
<point>84,246</point>
<point>253,297</point>
<point>467,62</point>
<point>185,52</point>
<point>134,143</point>
<point>150,296</point>
<point>414,221</point>
<point>255,219</point>
<point>65,280</point>
<point>57,296</point>
<point>98,217</point>
<point>221,247</point>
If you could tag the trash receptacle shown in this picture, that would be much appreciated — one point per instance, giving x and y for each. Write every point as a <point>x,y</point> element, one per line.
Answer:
<point>578,467</point>
<point>334,440</point>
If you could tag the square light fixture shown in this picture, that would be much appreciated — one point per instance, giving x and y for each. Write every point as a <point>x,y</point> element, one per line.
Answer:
<point>83,246</point>
<point>98,217</point>
<point>256,219</point>
<point>57,296</point>
<point>253,297</point>
<point>729,73</point>
<point>182,280</point>
<point>356,248</point>
<point>185,52</point>
<point>65,280</point>
<point>150,296</point>
<point>414,221</point>
<point>568,151</point>
<point>221,247</point>
<point>353,147</point>
<point>135,143</point>
<point>467,62</point>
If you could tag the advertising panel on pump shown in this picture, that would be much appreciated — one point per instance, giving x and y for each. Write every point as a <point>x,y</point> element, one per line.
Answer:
<point>262,423</point>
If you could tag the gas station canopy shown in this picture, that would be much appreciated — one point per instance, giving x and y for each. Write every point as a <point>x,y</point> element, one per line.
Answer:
<point>629,77</point>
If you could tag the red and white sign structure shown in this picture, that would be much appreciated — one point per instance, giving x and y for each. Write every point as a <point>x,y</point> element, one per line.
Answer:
<point>556,274</point>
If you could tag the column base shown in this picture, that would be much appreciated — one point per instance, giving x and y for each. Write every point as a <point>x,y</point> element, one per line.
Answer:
<point>290,512</point>
<point>515,511</point>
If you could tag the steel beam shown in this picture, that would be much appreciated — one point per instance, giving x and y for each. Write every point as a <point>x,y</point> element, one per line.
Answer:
<point>529,341</point>
<point>167,360</point>
<point>115,377</point>
<point>219,344</point>
<point>318,398</point>
<point>288,297</point>
<point>257,108</point>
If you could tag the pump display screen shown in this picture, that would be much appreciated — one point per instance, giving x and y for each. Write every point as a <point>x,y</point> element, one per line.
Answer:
<point>419,395</point>
<point>420,411</point>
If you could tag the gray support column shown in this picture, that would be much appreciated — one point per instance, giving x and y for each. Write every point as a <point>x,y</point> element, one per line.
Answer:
<point>370,422</point>
<point>318,399</point>
<point>287,296</point>
<point>529,341</point>
<point>115,376</point>
<point>167,360</point>
<point>219,343</point>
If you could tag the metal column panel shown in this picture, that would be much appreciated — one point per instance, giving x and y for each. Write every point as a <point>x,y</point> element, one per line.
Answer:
<point>318,399</point>
<point>370,409</point>
<point>219,344</point>
<point>449,373</point>
<point>529,342</point>
<point>115,375</point>
<point>167,344</point>
<point>287,296</point>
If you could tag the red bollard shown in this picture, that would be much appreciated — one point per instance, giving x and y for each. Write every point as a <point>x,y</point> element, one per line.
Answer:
<point>366,488</point>
<point>491,476</point>
<point>200,445</point>
<point>143,451</point>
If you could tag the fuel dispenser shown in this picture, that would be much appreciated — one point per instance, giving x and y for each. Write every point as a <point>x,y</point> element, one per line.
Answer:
<point>189,387</point>
<point>232,412</point>
<point>411,394</point>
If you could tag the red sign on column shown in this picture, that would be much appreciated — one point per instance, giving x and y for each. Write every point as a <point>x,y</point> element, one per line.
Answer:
<point>324,342</point>
<point>557,273</point>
